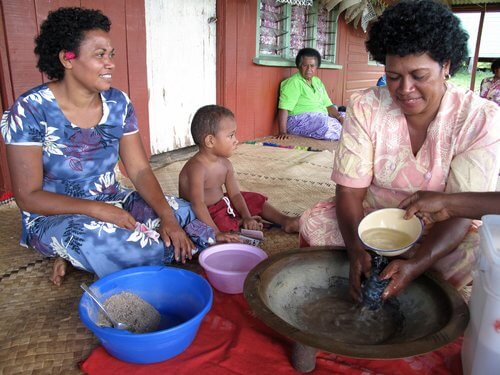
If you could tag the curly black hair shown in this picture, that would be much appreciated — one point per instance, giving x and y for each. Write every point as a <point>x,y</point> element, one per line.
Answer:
<point>415,27</point>
<point>495,65</point>
<point>307,52</point>
<point>64,30</point>
<point>206,121</point>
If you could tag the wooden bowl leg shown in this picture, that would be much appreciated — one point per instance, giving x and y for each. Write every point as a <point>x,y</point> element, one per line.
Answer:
<point>303,357</point>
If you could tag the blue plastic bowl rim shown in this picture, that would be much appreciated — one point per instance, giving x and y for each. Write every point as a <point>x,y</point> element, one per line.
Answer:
<point>94,327</point>
<point>206,253</point>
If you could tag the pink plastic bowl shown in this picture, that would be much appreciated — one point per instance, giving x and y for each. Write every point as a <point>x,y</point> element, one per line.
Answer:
<point>228,265</point>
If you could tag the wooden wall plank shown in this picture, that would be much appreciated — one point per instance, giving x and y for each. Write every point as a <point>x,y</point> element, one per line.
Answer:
<point>356,68</point>
<point>18,63</point>
<point>21,25</point>
<point>6,89</point>
<point>136,65</point>
<point>227,50</point>
<point>6,96</point>
<point>359,73</point>
<point>360,84</point>
<point>358,57</point>
<point>339,94</point>
<point>247,85</point>
<point>354,47</point>
<point>220,58</point>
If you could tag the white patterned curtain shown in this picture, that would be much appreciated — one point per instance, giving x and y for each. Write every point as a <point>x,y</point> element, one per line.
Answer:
<point>357,11</point>
<point>306,3</point>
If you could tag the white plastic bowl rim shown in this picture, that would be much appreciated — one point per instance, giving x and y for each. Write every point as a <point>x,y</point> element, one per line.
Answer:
<point>391,251</point>
<point>229,246</point>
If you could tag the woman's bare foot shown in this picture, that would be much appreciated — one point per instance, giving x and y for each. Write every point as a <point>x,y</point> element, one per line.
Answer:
<point>291,224</point>
<point>58,271</point>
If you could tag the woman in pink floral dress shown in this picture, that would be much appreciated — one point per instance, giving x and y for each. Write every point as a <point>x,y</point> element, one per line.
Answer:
<point>490,87</point>
<point>418,133</point>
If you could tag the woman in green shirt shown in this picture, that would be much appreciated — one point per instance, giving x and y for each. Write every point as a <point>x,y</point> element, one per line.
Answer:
<point>304,106</point>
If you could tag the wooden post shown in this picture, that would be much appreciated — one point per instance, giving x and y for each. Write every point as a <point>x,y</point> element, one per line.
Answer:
<point>476,52</point>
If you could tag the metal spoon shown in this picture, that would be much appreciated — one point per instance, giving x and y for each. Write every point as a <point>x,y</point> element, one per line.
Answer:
<point>115,324</point>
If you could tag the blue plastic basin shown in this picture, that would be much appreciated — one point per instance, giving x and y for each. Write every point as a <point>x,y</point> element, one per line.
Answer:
<point>182,298</point>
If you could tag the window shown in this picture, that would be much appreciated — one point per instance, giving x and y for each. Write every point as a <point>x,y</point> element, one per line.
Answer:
<point>283,29</point>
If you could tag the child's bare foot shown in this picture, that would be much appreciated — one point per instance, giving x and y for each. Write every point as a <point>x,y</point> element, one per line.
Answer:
<point>291,224</point>
<point>58,271</point>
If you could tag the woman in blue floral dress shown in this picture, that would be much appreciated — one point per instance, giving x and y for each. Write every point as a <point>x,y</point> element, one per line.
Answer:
<point>63,142</point>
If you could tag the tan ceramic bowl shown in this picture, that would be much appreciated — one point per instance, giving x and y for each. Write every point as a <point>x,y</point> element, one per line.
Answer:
<point>387,233</point>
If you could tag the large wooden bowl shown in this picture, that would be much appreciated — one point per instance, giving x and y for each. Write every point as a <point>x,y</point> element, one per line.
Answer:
<point>291,293</point>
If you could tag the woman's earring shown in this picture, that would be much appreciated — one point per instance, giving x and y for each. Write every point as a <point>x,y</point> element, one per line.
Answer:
<point>447,76</point>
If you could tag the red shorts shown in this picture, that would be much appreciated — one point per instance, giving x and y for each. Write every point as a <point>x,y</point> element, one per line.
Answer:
<point>225,222</point>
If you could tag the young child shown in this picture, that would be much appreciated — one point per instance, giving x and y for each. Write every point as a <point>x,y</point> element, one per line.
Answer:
<point>201,180</point>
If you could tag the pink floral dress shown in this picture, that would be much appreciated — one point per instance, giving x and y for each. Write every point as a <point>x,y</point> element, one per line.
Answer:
<point>490,89</point>
<point>460,153</point>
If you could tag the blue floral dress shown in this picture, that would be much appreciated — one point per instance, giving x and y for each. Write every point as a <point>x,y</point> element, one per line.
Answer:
<point>80,163</point>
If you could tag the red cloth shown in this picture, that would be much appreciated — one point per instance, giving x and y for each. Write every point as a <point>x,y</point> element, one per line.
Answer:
<point>225,222</point>
<point>5,195</point>
<point>231,340</point>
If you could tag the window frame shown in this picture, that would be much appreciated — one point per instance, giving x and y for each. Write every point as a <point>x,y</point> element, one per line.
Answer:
<point>265,60</point>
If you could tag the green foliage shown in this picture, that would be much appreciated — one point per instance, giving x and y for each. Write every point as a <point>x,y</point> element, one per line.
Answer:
<point>462,78</point>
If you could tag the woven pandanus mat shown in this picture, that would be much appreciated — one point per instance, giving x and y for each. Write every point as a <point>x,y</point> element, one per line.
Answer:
<point>290,197</point>
<point>296,141</point>
<point>12,255</point>
<point>40,330</point>
<point>267,167</point>
<point>276,241</point>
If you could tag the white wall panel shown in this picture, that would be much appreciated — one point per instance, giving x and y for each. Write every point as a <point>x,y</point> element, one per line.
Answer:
<point>180,66</point>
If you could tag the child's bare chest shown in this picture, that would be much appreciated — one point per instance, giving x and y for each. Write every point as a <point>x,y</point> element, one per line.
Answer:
<point>215,177</point>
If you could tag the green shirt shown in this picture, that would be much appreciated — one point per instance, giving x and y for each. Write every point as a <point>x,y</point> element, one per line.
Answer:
<point>297,96</point>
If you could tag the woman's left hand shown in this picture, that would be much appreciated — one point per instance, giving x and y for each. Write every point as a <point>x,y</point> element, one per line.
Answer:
<point>172,233</point>
<point>401,272</point>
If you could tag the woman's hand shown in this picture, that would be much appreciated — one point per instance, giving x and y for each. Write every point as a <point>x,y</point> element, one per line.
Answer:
<point>401,272</point>
<point>227,237</point>
<point>172,234</point>
<point>360,263</point>
<point>111,214</point>
<point>253,223</point>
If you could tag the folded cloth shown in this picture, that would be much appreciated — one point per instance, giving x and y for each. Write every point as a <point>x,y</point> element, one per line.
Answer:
<point>231,340</point>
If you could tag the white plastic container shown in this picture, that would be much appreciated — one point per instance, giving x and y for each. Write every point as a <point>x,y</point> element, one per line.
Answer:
<point>481,345</point>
